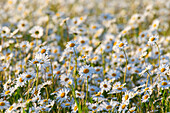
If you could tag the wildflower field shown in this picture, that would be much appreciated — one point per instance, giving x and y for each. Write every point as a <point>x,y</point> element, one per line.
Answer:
<point>84,56</point>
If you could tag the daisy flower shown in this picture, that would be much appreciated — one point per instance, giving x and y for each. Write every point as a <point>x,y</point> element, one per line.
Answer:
<point>4,104</point>
<point>117,88</point>
<point>127,96</point>
<point>83,40</point>
<point>120,45</point>
<point>79,94</point>
<point>113,74</point>
<point>7,92</point>
<point>86,71</point>
<point>36,32</point>
<point>72,45</point>
<point>98,70</point>
<point>74,108</point>
<point>21,81</point>
<point>163,69</point>
<point>123,107</point>
<point>44,50</point>
<point>132,110</point>
<point>155,24</point>
<point>43,60</point>
<point>93,107</point>
<point>98,97</point>
<point>24,44</point>
<point>164,84</point>
<point>11,108</point>
<point>93,89</point>
<point>105,86</point>
<point>23,25</point>
<point>108,106</point>
<point>153,39</point>
<point>66,80</point>
<point>5,31</point>
<point>66,104</point>
<point>145,98</point>
<point>62,95</point>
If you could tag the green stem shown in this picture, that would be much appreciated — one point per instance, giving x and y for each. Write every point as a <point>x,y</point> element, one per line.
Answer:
<point>37,77</point>
<point>125,66</point>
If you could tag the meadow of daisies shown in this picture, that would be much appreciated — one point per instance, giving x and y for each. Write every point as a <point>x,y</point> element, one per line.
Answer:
<point>84,56</point>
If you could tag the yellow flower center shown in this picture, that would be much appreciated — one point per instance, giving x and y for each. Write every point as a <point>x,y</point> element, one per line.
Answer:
<point>66,79</point>
<point>4,67</point>
<point>45,100</point>
<point>28,76</point>
<point>29,100</point>
<point>7,92</point>
<point>57,14</point>
<point>78,94</point>
<point>123,106</point>
<point>109,107</point>
<point>67,104</point>
<point>119,88</point>
<point>86,71</point>
<point>35,62</point>
<point>82,41</point>
<point>113,74</point>
<point>42,109</point>
<point>124,31</point>
<point>10,2</point>
<point>136,71</point>
<point>121,56</point>
<point>75,108</point>
<point>49,74</point>
<point>98,94</point>
<point>146,96</point>
<point>43,50</point>
<point>79,81</point>
<point>163,69</point>
<point>154,25</point>
<point>142,35</point>
<point>24,45</point>
<point>105,85</point>
<point>32,43</point>
<point>152,39</point>
<point>10,108</point>
<point>121,44</point>
<point>93,27</point>
<point>94,107</point>
<point>97,70</point>
<point>131,111</point>
<point>126,97</point>
<point>72,45</point>
<point>62,95</point>
<point>58,72</point>
<point>108,47</point>
<point>81,18</point>
<point>35,92</point>
<point>2,103</point>
<point>164,83</point>
<point>92,89</point>
<point>55,51</point>
<point>115,43</point>
<point>146,89</point>
<point>20,79</point>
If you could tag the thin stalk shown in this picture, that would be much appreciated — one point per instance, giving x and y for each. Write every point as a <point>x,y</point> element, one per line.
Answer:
<point>125,66</point>
<point>37,77</point>
<point>147,78</point>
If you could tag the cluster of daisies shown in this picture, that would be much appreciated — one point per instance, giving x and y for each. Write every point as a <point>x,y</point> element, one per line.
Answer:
<point>95,56</point>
